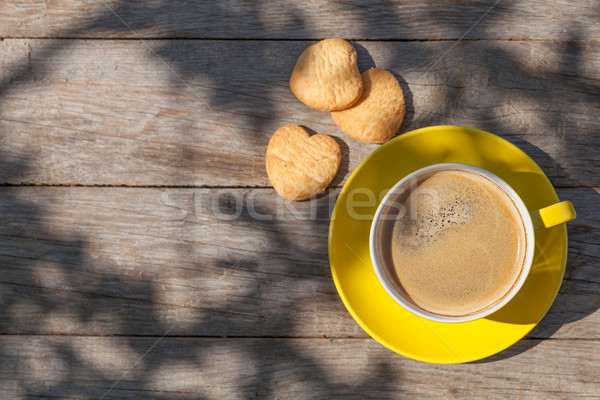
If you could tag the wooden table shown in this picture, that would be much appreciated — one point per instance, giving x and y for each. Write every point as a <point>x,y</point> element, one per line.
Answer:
<point>143,252</point>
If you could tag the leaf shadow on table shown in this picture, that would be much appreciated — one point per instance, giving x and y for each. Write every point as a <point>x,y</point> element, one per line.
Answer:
<point>304,266</point>
<point>51,276</point>
<point>80,295</point>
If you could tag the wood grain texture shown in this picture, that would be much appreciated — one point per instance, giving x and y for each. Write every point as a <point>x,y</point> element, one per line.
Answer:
<point>201,112</point>
<point>140,261</point>
<point>91,278</point>
<point>186,368</point>
<point>535,19</point>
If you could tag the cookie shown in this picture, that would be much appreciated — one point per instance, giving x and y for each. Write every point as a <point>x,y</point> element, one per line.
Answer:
<point>326,76</point>
<point>299,165</point>
<point>377,116</point>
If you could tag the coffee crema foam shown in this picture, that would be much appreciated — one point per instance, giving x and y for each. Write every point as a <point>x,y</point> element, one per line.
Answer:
<point>453,241</point>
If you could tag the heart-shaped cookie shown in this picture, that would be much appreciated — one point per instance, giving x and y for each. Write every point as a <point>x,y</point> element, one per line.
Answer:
<point>378,115</point>
<point>326,76</point>
<point>301,166</point>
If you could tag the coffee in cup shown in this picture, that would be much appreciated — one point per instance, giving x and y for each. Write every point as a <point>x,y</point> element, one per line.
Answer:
<point>453,241</point>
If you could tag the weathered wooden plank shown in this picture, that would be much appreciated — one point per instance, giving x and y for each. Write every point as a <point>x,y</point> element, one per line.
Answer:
<point>185,368</point>
<point>202,112</point>
<point>143,261</point>
<point>395,19</point>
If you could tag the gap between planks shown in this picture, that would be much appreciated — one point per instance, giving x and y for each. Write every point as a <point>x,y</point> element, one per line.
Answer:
<point>246,39</point>
<point>241,187</point>
<point>267,337</point>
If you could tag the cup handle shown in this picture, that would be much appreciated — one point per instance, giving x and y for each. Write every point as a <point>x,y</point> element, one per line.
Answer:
<point>555,214</point>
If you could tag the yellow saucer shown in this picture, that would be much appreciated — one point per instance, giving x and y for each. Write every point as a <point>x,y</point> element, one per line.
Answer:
<point>376,312</point>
